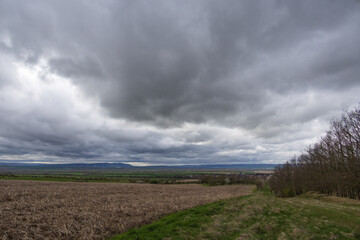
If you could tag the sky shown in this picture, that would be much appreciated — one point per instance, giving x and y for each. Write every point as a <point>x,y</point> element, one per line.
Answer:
<point>173,82</point>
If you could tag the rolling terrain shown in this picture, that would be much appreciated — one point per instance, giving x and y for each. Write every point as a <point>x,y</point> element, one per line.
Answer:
<point>259,216</point>
<point>125,173</point>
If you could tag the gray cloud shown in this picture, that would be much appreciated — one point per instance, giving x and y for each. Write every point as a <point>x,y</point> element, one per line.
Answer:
<point>266,69</point>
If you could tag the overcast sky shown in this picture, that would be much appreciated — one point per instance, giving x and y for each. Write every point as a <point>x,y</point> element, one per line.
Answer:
<point>173,82</point>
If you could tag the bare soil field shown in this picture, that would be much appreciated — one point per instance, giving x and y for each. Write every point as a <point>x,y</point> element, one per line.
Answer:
<point>69,210</point>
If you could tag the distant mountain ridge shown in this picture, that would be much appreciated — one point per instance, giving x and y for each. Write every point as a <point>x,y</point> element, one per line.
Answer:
<point>129,166</point>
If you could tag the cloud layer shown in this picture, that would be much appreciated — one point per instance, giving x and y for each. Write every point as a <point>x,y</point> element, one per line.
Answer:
<point>173,82</point>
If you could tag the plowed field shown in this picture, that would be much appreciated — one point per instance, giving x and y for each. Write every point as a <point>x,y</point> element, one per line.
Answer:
<point>69,210</point>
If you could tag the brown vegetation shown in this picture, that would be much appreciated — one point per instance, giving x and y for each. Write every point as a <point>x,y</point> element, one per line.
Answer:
<point>331,166</point>
<point>67,210</point>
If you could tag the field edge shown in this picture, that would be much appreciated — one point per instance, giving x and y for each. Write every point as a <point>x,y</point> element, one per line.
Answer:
<point>258,216</point>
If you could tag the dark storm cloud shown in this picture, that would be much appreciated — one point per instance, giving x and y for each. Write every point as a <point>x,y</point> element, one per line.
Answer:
<point>168,63</point>
<point>273,68</point>
<point>81,68</point>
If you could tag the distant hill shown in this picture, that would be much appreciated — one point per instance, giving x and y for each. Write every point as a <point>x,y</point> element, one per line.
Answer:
<point>70,166</point>
<point>109,166</point>
<point>219,166</point>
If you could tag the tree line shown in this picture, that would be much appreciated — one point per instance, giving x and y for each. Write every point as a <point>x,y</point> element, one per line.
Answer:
<point>330,166</point>
<point>222,179</point>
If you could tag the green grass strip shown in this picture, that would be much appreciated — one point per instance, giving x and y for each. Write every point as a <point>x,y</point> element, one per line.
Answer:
<point>258,216</point>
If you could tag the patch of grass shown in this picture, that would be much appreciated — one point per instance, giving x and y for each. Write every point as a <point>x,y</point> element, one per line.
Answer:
<point>186,224</point>
<point>259,216</point>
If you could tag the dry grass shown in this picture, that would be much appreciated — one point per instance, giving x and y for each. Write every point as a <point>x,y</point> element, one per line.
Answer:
<point>67,210</point>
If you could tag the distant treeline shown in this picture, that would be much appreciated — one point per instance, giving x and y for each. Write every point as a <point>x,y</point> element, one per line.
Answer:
<point>331,166</point>
<point>214,180</point>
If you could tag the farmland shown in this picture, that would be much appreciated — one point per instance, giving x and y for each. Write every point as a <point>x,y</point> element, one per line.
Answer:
<point>148,176</point>
<point>69,210</point>
<point>125,173</point>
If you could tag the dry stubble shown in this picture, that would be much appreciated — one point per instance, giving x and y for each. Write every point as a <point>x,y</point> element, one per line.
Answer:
<point>63,210</point>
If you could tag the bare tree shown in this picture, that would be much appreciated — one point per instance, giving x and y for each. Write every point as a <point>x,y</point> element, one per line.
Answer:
<point>331,166</point>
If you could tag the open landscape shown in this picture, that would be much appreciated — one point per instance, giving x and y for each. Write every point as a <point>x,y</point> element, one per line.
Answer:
<point>62,210</point>
<point>69,210</point>
<point>126,173</point>
<point>179,120</point>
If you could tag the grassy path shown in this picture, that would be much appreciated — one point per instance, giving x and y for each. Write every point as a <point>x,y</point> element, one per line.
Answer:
<point>259,216</point>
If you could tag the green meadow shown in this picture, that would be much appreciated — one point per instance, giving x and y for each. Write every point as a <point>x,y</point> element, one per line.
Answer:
<point>259,216</point>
